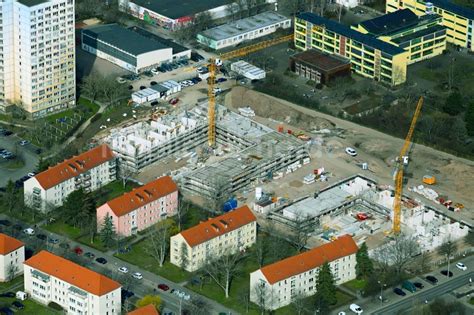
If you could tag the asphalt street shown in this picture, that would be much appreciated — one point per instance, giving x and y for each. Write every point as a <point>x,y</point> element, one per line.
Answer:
<point>147,285</point>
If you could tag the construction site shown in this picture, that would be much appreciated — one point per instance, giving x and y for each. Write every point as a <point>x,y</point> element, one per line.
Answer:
<point>245,152</point>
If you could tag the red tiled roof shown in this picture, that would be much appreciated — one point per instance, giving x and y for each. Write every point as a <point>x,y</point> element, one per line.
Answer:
<point>72,273</point>
<point>9,244</point>
<point>220,225</point>
<point>291,266</point>
<point>143,195</point>
<point>74,166</point>
<point>145,310</point>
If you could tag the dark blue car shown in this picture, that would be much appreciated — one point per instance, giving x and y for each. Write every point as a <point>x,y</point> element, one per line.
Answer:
<point>399,291</point>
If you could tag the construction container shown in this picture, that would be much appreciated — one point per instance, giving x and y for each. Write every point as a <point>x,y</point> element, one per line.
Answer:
<point>289,131</point>
<point>429,180</point>
<point>280,129</point>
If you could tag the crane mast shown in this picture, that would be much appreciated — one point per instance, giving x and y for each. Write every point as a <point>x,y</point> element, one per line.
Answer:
<point>397,209</point>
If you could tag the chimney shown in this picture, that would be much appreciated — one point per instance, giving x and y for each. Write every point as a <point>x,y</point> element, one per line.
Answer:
<point>149,194</point>
<point>224,223</point>
<point>215,227</point>
<point>140,197</point>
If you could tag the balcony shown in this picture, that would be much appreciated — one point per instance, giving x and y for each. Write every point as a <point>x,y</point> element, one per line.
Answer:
<point>40,276</point>
<point>78,292</point>
<point>86,184</point>
<point>86,177</point>
<point>36,191</point>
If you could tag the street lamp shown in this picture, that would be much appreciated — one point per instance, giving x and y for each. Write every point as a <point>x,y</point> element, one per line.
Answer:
<point>382,285</point>
<point>447,274</point>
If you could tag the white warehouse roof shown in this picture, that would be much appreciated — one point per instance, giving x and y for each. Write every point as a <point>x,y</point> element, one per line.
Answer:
<point>247,70</point>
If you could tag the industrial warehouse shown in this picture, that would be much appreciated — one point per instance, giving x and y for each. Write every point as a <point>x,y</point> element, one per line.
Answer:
<point>246,151</point>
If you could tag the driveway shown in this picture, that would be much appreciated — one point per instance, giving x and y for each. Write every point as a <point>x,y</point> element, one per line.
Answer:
<point>148,285</point>
<point>30,158</point>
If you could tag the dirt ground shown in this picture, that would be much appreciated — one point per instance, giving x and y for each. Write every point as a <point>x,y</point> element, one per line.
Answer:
<point>454,175</point>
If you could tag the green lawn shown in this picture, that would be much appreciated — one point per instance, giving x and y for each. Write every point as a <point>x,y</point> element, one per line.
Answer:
<point>31,307</point>
<point>5,286</point>
<point>471,301</point>
<point>86,240</point>
<point>139,257</point>
<point>356,284</point>
<point>93,107</point>
<point>65,229</point>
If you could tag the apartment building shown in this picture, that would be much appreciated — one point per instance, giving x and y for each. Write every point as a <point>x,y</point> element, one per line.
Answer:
<point>78,290</point>
<point>228,233</point>
<point>142,207</point>
<point>279,282</point>
<point>12,256</point>
<point>458,20</point>
<point>423,37</point>
<point>37,70</point>
<point>369,56</point>
<point>89,171</point>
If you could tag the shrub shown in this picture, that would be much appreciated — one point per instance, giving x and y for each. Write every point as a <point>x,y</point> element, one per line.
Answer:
<point>55,306</point>
<point>96,117</point>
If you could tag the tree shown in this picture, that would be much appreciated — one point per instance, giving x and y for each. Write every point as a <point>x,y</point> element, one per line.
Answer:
<point>107,231</point>
<point>364,266</point>
<point>244,298</point>
<point>125,174</point>
<point>158,241</point>
<point>448,248</point>
<point>263,295</point>
<point>469,239</point>
<point>260,250</point>
<point>181,210</point>
<point>301,228</point>
<point>74,202</point>
<point>469,120</point>
<point>10,198</point>
<point>397,253</point>
<point>199,306</point>
<point>91,85</point>
<point>299,305</point>
<point>222,267</point>
<point>184,259</point>
<point>325,284</point>
<point>149,299</point>
<point>12,270</point>
<point>454,104</point>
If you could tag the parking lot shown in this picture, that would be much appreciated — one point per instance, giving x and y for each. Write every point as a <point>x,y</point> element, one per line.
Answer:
<point>26,152</point>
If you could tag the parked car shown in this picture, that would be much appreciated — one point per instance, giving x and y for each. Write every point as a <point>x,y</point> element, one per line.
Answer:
<point>42,237</point>
<point>163,287</point>
<point>53,241</point>
<point>356,308</point>
<point>155,71</point>
<point>29,231</point>
<point>31,174</point>
<point>101,260</point>
<point>89,255</point>
<point>431,279</point>
<point>220,80</point>
<point>447,273</point>
<point>125,250</point>
<point>409,286</point>
<point>18,227</point>
<point>6,311</point>
<point>24,142</point>
<point>148,74</point>
<point>127,294</point>
<point>5,222</point>
<point>123,269</point>
<point>461,266</point>
<point>142,87</point>
<point>399,291</point>
<point>174,101</point>
<point>130,87</point>
<point>137,275</point>
<point>8,295</point>
<point>154,103</point>
<point>351,151</point>
<point>64,245</point>
<point>78,250</point>
<point>18,305</point>
<point>121,80</point>
<point>383,299</point>
<point>153,83</point>
<point>418,285</point>
<point>217,91</point>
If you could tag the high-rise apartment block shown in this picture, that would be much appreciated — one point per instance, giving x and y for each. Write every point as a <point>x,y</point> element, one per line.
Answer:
<point>37,58</point>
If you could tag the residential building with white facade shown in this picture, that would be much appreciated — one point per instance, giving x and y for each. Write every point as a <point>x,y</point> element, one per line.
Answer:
<point>37,70</point>
<point>279,282</point>
<point>12,256</point>
<point>142,207</point>
<point>89,171</point>
<point>226,234</point>
<point>78,290</point>
<point>236,32</point>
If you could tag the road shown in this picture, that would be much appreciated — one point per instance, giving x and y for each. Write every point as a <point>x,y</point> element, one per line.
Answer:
<point>148,285</point>
<point>30,158</point>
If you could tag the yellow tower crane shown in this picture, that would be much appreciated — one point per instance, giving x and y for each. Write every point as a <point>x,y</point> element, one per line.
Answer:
<point>215,62</point>
<point>402,160</point>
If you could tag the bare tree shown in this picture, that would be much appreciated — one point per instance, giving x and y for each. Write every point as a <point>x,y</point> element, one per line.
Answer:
<point>158,242</point>
<point>398,253</point>
<point>301,230</point>
<point>181,211</point>
<point>199,306</point>
<point>222,267</point>
<point>263,296</point>
<point>244,298</point>
<point>184,258</point>
<point>91,85</point>
<point>448,248</point>
<point>232,9</point>
<point>260,250</point>
<point>298,304</point>
<point>12,270</point>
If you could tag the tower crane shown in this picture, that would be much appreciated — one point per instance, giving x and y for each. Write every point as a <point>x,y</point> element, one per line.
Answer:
<point>402,160</point>
<point>216,62</point>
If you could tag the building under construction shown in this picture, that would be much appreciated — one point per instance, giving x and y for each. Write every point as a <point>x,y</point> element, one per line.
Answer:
<point>246,150</point>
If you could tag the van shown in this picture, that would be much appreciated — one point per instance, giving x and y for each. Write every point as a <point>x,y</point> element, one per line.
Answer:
<point>20,295</point>
<point>407,285</point>
<point>29,231</point>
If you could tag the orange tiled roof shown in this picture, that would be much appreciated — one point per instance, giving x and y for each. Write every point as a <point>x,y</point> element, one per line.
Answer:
<point>72,273</point>
<point>74,166</point>
<point>220,225</point>
<point>311,259</point>
<point>9,244</point>
<point>143,195</point>
<point>145,310</point>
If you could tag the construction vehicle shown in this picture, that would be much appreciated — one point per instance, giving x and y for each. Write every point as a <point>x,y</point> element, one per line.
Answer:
<point>402,161</point>
<point>215,63</point>
<point>429,180</point>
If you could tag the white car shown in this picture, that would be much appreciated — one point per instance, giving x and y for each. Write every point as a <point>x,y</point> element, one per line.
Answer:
<point>341,313</point>
<point>123,269</point>
<point>356,308</point>
<point>461,266</point>
<point>155,71</point>
<point>351,151</point>
<point>29,231</point>
<point>137,275</point>
<point>121,80</point>
<point>187,297</point>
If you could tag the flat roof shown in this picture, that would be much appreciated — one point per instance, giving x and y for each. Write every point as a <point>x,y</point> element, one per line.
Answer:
<point>350,33</point>
<point>177,48</point>
<point>243,26</point>
<point>32,3</point>
<point>174,9</point>
<point>322,61</point>
<point>421,33</point>
<point>454,8</point>
<point>123,38</point>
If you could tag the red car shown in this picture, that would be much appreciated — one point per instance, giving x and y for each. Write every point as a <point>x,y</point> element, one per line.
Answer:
<point>78,250</point>
<point>163,287</point>
<point>174,101</point>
